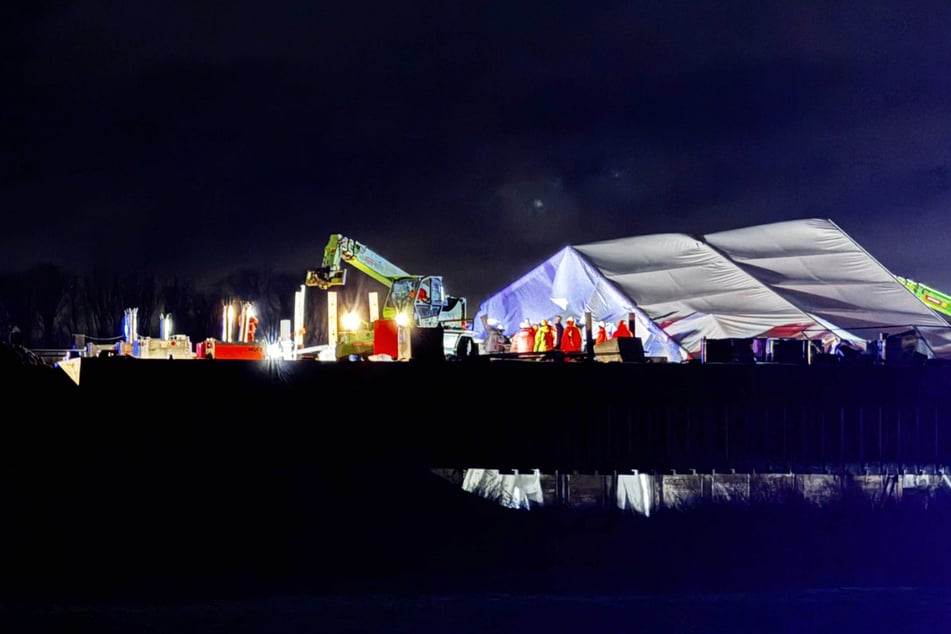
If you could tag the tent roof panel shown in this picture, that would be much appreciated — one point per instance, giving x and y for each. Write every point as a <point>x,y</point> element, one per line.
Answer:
<point>791,277</point>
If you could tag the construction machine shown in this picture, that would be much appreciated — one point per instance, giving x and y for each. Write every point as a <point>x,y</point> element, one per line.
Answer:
<point>238,325</point>
<point>417,313</point>
<point>931,296</point>
<point>167,346</point>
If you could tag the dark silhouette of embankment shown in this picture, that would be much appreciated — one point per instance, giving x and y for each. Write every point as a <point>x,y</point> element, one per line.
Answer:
<point>129,498</point>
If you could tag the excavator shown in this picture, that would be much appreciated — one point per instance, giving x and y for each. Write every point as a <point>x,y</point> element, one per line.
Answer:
<point>416,311</point>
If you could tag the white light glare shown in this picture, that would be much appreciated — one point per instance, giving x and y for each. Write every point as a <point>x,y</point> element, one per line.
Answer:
<point>350,321</point>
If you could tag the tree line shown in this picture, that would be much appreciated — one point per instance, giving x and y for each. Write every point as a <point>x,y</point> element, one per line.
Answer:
<point>49,306</point>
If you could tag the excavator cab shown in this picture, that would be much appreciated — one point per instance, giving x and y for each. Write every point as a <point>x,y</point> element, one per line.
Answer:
<point>429,301</point>
<point>400,297</point>
<point>418,296</point>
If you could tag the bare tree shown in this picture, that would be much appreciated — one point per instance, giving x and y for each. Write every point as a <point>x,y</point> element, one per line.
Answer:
<point>45,298</point>
<point>106,303</point>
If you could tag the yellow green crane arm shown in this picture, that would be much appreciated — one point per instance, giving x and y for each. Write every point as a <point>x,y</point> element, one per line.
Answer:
<point>931,296</point>
<point>341,249</point>
<point>421,297</point>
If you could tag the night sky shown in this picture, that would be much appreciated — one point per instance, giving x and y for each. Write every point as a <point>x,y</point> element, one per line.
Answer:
<point>471,140</point>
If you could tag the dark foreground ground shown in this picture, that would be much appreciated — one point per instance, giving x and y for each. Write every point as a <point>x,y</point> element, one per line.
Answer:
<point>812,611</point>
<point>440,560</point>
<point>110,531</point>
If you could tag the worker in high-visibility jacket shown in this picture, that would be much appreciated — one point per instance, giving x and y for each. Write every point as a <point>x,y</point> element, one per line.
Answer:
<point>544,337</point>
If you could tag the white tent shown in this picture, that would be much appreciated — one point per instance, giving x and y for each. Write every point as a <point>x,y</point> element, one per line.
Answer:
<point>804,279</point>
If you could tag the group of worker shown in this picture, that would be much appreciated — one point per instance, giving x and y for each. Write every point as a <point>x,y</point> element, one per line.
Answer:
<point>548,336</point>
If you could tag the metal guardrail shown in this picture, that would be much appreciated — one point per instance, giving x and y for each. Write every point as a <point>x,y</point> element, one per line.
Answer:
<point>53,355</point>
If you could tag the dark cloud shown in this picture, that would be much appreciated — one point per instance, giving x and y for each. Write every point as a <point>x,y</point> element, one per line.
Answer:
<point>468,140</point>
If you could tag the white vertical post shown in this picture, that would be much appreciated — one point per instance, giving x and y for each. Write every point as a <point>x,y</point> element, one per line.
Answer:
<point>404,342</point>
<point>165,326</point>
<point>588,334</point>
<point>243,321</point>
<point>374,298</point>
<point>227,322</point>
<point>332,318</point>
<point>299,317</point>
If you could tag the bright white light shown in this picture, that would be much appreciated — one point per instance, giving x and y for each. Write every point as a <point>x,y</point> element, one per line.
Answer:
<point>273,351</point>
<point>402,319</point>
<point>351,321</point>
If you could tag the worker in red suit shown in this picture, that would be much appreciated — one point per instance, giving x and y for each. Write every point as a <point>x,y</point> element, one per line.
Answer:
<point>602,334</point>
<point>524,339</point>
<point>571,337</point>
<point>622,330</point>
